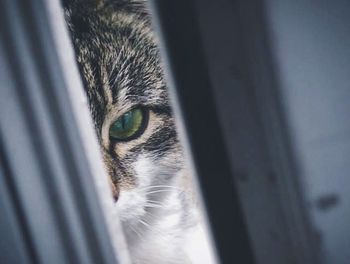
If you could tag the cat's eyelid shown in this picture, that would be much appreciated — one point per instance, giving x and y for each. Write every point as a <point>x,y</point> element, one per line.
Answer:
<point>115,113</point>
<point>165,109</point>
<point>113,116</point>
<point>126,110</point>
<point>133,107</point>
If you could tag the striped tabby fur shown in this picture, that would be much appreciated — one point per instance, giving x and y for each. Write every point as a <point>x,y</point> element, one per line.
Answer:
<point>118,58</point>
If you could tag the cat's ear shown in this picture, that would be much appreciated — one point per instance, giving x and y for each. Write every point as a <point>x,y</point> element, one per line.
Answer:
<point>68,4</point>
<point>138,7</point>
<point>79,15</point>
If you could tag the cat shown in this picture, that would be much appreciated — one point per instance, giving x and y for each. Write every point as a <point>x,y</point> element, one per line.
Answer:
<point>118,57</point>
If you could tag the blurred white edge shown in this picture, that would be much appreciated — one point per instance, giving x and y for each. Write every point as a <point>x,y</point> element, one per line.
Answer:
<point>202,237</point>
<point>82,116</point>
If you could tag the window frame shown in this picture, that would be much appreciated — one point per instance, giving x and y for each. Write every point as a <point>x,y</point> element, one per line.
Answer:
<point>46,130</point>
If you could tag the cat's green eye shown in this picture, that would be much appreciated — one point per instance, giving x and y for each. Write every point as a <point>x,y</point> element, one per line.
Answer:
<point>128,126</point>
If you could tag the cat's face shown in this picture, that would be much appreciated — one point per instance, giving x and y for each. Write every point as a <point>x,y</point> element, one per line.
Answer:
<point>120,66</point>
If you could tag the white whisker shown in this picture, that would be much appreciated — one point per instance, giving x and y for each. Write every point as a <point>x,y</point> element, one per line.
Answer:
<point>159,186</point>
<point>135,231</point>
<point>150,227</point>
<point>155,202</point>
<point>161,190</point>
<point>158,191</point>
<point>153,205</point>
<point>144,223</point>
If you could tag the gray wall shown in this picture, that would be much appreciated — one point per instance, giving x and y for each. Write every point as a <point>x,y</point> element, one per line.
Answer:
<point>311,44</point>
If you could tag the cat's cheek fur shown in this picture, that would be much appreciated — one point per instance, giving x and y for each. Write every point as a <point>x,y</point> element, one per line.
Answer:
<point>131,202</point>
<point>149,174</point>
<point>154,233</point>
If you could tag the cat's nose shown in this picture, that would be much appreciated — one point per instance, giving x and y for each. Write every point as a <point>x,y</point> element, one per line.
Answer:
<point>115,191</point>
<point>109,165</point>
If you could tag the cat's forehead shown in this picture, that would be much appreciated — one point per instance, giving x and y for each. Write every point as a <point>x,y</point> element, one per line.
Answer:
<point>127,54</point>
<point>120,65</point>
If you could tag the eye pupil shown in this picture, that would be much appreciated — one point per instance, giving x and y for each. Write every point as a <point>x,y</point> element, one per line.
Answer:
<point>123,122</point>
<point>128,125</point>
